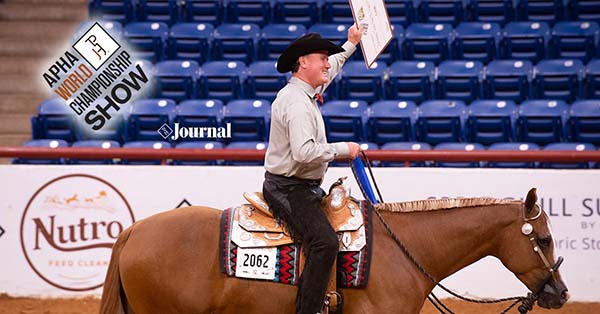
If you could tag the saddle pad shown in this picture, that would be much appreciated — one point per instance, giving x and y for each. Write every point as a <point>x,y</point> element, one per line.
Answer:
<point>281,263</point>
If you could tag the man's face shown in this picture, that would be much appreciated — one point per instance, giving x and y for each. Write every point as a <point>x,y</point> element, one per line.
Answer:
<point>315,67</point>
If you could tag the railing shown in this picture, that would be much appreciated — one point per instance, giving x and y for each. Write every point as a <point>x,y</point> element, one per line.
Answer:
<point>253,155</point>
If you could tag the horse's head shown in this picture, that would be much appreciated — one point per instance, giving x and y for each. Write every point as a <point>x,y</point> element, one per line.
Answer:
<point>529,253</point>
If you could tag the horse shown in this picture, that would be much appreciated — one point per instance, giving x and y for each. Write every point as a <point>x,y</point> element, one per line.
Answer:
<point>169,262</point>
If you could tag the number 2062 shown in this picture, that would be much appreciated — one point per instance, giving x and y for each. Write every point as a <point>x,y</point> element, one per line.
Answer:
<point>256,260</point>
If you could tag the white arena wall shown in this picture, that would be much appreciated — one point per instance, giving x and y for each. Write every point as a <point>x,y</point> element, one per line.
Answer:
<point>59,221</point>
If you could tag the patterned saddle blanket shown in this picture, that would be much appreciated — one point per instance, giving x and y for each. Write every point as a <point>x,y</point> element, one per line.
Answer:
<point>255,246</point>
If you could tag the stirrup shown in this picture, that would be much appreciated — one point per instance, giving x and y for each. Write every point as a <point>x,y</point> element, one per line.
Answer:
<point>332,302</point>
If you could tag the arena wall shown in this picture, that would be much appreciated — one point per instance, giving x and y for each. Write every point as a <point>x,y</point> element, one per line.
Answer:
<point>58,222</point>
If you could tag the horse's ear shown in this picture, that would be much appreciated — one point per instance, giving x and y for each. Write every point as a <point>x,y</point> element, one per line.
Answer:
<point>530,200</point>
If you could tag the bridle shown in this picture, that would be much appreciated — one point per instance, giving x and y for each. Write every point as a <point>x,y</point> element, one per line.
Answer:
<point>526,230</point>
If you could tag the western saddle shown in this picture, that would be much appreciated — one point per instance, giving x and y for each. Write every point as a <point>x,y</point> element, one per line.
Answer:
<point>255,227</point>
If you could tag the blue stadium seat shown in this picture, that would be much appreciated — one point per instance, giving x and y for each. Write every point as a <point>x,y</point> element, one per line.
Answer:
<point>297,12</point>
<point>249,11</point>
<point>442,11</point>
<point>584,10</point>
<point>246,145</point>
<point>525,40</point>
<point>491,121</point>
<point>176,79</point>
<point>207,145</point>
<point>203,11</point>
<point>94,144</point>
<point>263,81</point>
<point>237,42</point>
<point>336,33</point>
<point>476,41</point>
<point>165,11</point>
<point>221,80</point>
<point>459,146</point>
<point>459,79</point>
<point>492,11</point>
<point>592,79</point>
<point>584,122</point>
<point>401,12</point>
<point>55,120</point>
<point>249,119</point>
<point>337,11</point>
<point>358,82</point>
<point>577,147</point>
<point>391,121</point>
<point>574,40</point>
<point>427,42</point>
<point>410,80</point>
<point>41,161</point>
<point>114,28</point>
<point>508,79</point>
<point>514,146</point>
<point>121,11</point>
<point>548,11</point>
<point>190,41</point>
<point>558,79</point>
<point>542,121</point>
<point>345,120</point>
<point>405,146</point>
<point>148,39</point>
<point>276,37</point>
<point>147,117</point>
<point>207,113</point>
<point>144,144</point>
<point>441,121</point>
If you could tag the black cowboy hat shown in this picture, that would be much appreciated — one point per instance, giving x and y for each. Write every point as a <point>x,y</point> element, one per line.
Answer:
<point>302,46</point>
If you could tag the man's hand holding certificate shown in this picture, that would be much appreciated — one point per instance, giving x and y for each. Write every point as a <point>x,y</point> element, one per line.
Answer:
<point>373,14</point>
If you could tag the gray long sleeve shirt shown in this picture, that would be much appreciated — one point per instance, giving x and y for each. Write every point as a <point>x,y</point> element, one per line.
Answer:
<point>297,143</point>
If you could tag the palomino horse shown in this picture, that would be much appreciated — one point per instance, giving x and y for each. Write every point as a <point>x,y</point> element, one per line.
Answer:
<point>169,263</point>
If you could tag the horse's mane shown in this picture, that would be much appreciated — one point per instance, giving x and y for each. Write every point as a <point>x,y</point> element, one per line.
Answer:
<point>441,204</point>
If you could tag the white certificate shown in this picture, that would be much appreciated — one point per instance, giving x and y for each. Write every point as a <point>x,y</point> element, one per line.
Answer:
<point>379,34</point>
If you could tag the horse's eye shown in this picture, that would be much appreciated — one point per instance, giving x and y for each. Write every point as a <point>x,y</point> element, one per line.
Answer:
<point>545,242</point>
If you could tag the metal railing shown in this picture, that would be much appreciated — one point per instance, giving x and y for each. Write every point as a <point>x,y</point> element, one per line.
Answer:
<point>253,155</point>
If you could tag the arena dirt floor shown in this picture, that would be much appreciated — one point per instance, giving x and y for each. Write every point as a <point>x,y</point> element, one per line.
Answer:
<point>11,305</point>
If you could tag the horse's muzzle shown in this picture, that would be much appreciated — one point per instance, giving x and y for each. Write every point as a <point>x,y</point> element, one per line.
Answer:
<point>553,296</point>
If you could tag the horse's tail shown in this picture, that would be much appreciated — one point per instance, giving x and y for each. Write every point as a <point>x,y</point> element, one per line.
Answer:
<point>113,296</point>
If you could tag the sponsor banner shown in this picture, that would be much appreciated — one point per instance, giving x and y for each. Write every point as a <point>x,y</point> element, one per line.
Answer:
<point>58,222</point>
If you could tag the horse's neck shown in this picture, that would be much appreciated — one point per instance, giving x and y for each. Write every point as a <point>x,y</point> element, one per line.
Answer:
<point>446,241</point>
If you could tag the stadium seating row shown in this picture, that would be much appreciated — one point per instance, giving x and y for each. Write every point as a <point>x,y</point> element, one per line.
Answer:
<point>263,145</point>
<point>434,122</point>
<point>476,41</point>
<point>309,12</point>
<point>418,81</point>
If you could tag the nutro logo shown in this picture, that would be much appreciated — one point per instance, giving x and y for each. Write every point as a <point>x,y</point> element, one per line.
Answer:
<point>68,229</point>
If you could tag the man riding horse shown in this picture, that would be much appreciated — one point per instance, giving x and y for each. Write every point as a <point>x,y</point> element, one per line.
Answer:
<point>298,156</point>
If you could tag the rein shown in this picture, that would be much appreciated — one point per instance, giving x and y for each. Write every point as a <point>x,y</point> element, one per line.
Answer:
<point>527,301</point>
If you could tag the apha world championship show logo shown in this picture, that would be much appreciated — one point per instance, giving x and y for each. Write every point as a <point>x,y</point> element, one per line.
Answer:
<point>68,229</point>
<point>95,77</point>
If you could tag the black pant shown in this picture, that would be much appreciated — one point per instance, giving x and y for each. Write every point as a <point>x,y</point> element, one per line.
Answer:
<point>297,203</point>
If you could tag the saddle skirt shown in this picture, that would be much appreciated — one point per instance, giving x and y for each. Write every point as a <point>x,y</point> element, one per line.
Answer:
<point>254,245</point>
